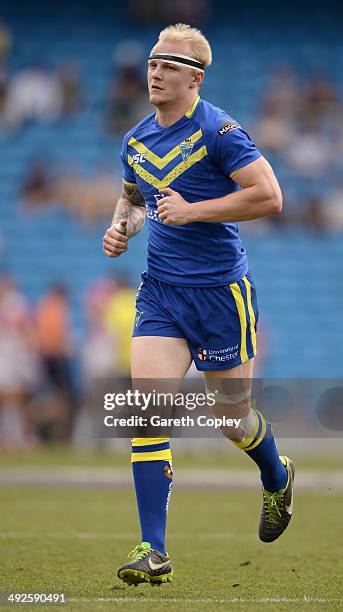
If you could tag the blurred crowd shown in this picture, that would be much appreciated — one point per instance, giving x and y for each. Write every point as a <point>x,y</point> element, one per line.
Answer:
<point>87,199</point>
<point>45,372</point>
<point>298,126</point>
<point>168,11</point>
<point>35,93</point>
<point>300,129</point>
<point>46,375</point>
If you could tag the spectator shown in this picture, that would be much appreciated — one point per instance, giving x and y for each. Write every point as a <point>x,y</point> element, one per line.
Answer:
<point>334,209</point>
<point>275,127</point>
<point>33,94</point>
<point>37,186</point>
<point>69,80</point>
<point>98,359</point>
<point>309,154</point>
<point>153,11</point>
<point>273,131</point>
<point>315,216</point>
<point>282,92</point>
<point>100,353</point>
<point>88,199</point>
<point>54,339</point>
<point>119,318</point>
<point>319,101</point>
<point>128,101</point>
<point>3,92</point>
<point>19,370</point>
<point>5,44</point>
<point>126,95</point>
<point>145,11</point>
<point>187,11</point>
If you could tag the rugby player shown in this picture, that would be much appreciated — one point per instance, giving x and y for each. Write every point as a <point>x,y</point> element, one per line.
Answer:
<point>194,173</point>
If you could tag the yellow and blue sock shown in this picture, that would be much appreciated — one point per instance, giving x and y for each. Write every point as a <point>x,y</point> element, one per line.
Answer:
<point>152,473</point>
<point>262,449</point>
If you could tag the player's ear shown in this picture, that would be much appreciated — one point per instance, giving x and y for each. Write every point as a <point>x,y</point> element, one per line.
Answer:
<point>197,78</point>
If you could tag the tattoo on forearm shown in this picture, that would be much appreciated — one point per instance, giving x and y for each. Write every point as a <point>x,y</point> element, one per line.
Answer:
<point>132,193</point>
<point>121,210</point>
<point>130,206</point>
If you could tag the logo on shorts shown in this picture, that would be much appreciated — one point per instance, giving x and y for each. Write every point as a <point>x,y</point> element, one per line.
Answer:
<point>202,354</point>
<point>223,354</point>
<point>186,148</point>
<point>138,313</point>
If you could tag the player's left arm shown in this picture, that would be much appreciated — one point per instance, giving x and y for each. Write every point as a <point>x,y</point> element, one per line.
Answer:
<point>260,196</point>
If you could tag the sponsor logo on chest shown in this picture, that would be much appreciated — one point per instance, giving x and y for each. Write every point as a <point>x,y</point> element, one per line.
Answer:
<point>138,158</point>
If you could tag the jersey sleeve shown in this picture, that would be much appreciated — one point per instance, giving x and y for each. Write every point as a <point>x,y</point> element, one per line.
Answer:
<point>128,174</point>
<point>233,149</point>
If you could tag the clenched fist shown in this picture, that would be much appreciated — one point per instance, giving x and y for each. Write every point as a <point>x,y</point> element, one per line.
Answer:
<point>172,208</point>
<point>115,241</point>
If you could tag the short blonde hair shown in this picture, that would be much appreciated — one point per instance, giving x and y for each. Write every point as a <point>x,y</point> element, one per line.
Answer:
<point>199,45</point>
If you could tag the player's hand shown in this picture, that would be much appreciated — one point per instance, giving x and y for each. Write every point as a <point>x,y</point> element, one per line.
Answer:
<point>115,241</point>
<point>172,208</point>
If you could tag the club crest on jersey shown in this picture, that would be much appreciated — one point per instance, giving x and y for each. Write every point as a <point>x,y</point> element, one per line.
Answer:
<point>186,148</point>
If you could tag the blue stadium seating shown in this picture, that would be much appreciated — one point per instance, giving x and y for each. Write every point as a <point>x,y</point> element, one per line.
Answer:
<point>299,276</point>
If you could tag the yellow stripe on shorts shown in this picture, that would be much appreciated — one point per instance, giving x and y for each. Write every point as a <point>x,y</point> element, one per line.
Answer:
<point>238,297</point>
<point>251,314</point>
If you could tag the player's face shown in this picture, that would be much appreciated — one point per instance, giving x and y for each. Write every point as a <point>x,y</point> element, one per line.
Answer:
<point>168,83</point>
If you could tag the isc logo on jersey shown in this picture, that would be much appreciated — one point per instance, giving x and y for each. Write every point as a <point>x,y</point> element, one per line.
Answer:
<point>138,158</point>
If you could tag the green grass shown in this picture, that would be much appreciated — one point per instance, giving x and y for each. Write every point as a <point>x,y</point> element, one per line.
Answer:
<point>72,540</point>
<point>230,457</point>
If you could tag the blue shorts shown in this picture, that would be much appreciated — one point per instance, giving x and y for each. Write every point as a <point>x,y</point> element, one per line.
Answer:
<point>218,323</point>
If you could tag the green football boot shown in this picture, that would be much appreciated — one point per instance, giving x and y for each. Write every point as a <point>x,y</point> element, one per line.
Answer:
<point>146,565</point>
<point>277,507</point>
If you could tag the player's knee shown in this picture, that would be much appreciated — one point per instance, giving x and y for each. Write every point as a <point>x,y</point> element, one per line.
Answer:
<point>240,417</point>
<point>246,428</point>
<point>241,426</point>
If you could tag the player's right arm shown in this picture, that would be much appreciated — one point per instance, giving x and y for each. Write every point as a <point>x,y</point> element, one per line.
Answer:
<point>128,219</point>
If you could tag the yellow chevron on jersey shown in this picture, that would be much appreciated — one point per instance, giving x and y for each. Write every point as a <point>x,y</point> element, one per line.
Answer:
<point>173,174</point>
<point>161,162</point>
<point>196,156</point>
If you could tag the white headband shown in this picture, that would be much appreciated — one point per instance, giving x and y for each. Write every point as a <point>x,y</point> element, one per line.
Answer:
<point>178,59</point>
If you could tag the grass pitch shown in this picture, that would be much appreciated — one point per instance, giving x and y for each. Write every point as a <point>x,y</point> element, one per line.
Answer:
<point>72,540</point>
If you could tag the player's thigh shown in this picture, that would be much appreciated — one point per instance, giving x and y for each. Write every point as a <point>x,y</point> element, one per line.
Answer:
<point>220,326</point>
<point>159,357</point>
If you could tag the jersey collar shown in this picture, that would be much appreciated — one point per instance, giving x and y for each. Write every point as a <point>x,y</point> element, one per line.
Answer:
<point>190,112</point>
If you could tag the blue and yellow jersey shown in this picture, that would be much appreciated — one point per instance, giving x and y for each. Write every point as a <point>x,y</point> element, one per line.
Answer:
<point>197,156</point>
